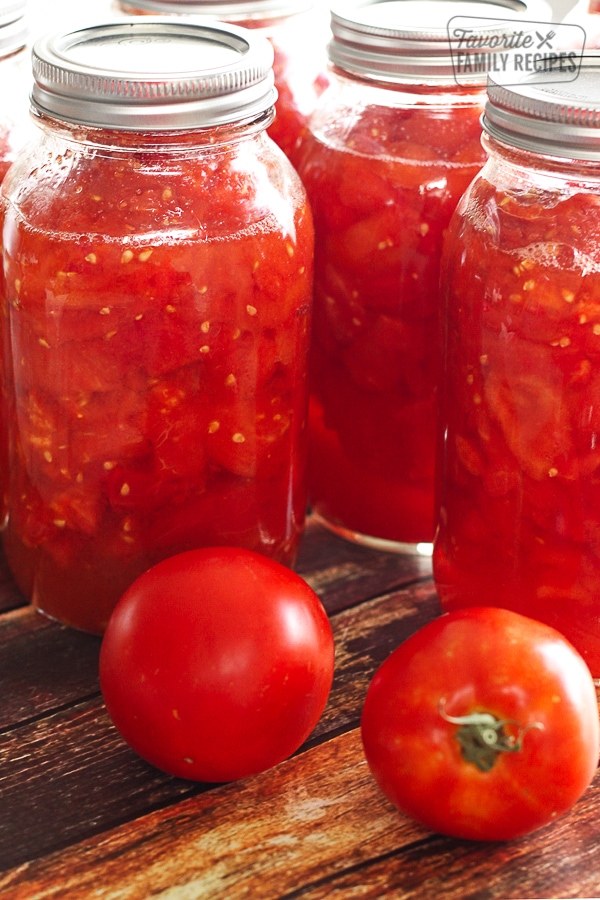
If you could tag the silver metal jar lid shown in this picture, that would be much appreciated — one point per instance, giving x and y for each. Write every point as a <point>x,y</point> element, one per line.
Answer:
<point>408,40</point>
<point>13,27</point>
<point>553,119</point>
<point>153,74</point>
<point>227,10</point>
<point>11,10</point>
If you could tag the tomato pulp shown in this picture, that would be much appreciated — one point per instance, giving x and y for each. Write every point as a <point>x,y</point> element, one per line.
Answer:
<point>519,477</point>
<point>383,183</point>
<point>158,310</point>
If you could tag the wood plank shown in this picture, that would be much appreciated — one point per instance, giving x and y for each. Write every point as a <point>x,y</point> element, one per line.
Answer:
<point>364,636</point>
<point>561,860</point>
<point>69,774</point>
<point>315,827</point>
<point>314,815</point>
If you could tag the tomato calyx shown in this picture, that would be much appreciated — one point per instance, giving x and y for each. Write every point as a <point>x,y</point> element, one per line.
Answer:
<point>483,737</point>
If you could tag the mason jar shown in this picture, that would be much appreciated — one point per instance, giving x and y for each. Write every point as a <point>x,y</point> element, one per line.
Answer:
<point>519,471</point>
<point>158,276</point>
<point>15,78</point>
<point>298,30</point>
<point>392,145</point>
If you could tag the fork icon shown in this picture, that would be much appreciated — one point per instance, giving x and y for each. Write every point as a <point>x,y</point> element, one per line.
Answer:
<point>545,40</point>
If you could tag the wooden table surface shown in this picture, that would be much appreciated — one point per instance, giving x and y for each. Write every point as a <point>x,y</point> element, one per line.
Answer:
<point>81,816</point>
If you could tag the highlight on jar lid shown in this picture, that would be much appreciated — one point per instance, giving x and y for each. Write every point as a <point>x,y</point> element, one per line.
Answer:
<point>228,10</point>
<point>409,40</point>
<point>543,117</point>
<point>13,27</point>
<point>153,74</point>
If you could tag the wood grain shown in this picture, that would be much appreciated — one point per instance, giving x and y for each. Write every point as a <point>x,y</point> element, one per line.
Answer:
<point>559,861</point>
<point>43,666</point>
<point>318,820</point>
<point>315,815</point>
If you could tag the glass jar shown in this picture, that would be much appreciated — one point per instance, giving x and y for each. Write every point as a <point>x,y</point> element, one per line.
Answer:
<point>298,31</point>
<point>519,473</point>
<point>393,143</point>
<point>158,258</point>
<point>15,78</point>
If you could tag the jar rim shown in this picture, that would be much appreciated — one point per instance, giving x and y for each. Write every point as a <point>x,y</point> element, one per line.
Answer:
<point>153,74</point>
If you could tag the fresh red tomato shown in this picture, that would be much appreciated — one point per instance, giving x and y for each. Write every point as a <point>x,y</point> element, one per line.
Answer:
<point>482,725</point>
<point>217,664</point>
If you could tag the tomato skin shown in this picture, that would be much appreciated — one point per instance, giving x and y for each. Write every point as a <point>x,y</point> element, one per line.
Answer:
<point>217,664</point>
<point>482,659</point>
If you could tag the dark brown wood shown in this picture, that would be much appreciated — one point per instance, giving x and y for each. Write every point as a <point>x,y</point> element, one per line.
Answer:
<point>43,667</point>
<point>314,815</point>
<point>82,816</point>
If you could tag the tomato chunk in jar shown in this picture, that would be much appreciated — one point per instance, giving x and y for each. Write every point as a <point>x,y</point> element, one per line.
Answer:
<point>158,308</point>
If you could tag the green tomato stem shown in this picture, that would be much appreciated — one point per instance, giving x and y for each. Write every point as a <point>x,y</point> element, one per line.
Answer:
<point>483,737</point>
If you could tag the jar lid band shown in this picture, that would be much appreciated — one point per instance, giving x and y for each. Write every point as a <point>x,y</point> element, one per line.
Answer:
<point>11,10</point>
<point>153,74</point>
<point>545,117</point>
<point>409,40</point>
<point>13,27</point>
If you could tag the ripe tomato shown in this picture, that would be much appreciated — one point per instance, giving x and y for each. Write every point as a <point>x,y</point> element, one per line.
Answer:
<point>482,725</point>
<point>217,664</point>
